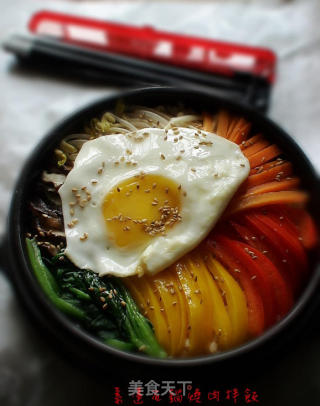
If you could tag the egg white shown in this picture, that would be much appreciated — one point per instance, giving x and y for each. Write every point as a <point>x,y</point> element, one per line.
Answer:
<point>209,168</point>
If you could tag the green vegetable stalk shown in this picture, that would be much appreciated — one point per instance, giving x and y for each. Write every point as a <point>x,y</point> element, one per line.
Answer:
<point>102,305</point>
<point>48,283</point>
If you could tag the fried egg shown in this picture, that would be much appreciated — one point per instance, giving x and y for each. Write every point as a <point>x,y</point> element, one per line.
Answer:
<point>135,203</point>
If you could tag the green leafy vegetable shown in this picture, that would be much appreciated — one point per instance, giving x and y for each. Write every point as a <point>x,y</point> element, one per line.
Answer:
<point>48,283</point>
<point>102,305</point>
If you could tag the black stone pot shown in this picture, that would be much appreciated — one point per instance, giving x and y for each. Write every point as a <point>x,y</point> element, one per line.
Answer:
<point>88,352</point>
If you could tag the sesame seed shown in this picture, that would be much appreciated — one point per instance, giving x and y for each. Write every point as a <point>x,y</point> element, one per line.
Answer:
<point>213,347</point>
<point>123,303</point>
<point>162,157</point>
<point>84,237</point>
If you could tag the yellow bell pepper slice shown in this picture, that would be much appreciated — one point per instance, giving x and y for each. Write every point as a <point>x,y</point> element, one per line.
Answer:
<point>235,298</point>
<point>141,291</point>
<point>199,330</point>
<point>165,291</point>
<point>219,317</point>
<point>206,303</point>
<point>183,312</point>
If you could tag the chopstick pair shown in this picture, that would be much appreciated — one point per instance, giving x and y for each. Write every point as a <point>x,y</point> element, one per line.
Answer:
<point>56,55</point>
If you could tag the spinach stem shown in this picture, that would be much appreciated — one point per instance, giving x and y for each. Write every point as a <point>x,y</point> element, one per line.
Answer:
<point>48,283</point>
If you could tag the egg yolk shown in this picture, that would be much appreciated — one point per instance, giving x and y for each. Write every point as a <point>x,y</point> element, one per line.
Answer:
<point>140,208</point>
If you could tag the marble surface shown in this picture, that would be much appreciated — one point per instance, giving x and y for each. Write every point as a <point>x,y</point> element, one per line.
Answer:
<point>31,374</point>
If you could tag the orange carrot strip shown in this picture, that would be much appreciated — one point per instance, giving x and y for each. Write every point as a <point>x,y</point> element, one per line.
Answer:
<point>266,155</point>
<point>256,147</point>
<point>208,122</point>
<point>266,199</point>
<point>251,141</point>
<point>233,124</point>
<point>239,130</point>
<point>275,186</point>
<point>223,123</point>
<point>267,166</point>
<point>241,134</point>
<point>280,171</point>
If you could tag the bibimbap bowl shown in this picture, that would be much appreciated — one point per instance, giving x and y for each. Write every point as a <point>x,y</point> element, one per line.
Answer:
<point>253,296</point>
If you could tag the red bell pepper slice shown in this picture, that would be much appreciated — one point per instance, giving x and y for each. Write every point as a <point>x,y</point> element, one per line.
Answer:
<point>289,240</point>
<point>301,222</point>
<point>274,249</point>
<point>272,287</point>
